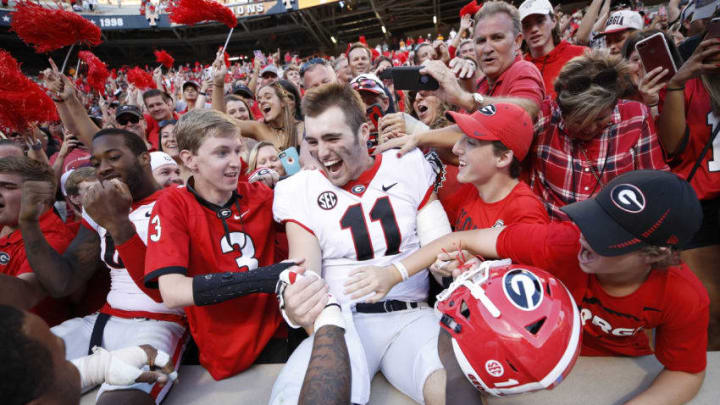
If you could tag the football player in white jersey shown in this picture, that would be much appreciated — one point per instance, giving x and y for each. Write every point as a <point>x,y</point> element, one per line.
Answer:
<point>359,210</point>
<point>117,213</point>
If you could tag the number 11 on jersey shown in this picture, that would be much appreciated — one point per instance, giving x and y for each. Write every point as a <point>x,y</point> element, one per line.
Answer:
<point>382,211</point>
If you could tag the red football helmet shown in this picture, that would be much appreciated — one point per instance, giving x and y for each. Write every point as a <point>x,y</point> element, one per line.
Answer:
<point>514,328</point>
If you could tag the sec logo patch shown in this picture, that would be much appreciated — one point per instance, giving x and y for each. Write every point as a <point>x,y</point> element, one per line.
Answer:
<point>494,368</point>
<point>327,200</point>
<point>4,258</point>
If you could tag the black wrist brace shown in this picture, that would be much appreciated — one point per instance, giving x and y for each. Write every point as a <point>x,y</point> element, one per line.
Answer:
<point>214,288</point>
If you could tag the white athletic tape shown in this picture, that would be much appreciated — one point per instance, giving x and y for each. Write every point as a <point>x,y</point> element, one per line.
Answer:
<point>432,222</point>
<point>132,355</point>
<point>102,366</point>
<point>119,367</point>
<point>162,359</point>
<point>401,269</point>
<point>330,315</point>
<point>286,278</point>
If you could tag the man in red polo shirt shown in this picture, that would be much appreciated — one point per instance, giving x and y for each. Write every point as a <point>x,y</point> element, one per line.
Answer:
<point>547,51</point>
<point>497,39</point>
<point>19,285</point>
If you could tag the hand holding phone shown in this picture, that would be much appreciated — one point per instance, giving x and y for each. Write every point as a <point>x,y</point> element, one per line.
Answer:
<point>654,52</point>
<point>290,161</point>
<point>409,78</point>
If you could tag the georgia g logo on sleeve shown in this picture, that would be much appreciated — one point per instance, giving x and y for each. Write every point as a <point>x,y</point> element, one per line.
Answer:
<point>628,198</point>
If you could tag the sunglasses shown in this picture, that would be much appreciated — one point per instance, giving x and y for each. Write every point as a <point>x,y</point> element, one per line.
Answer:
<point>312,62</point>
<point>125,119</point>
<point>606,78</point>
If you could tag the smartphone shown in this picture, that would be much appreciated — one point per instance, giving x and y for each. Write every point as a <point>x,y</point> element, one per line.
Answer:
<point>290,161</point>
<point>207,73</point>
<point>373,114</point>
<point>409,78</point>
<point>654,52</point>
<point>713,30</point>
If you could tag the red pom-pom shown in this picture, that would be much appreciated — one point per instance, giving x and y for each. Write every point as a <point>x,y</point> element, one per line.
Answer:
<point>362,40</point>
<point>48,30</point>
<point>402,57</point>
<point>97,71</point>
<point>164,58</point>
<point>22,101</point>
<point>191,12</point>
<point>140,78</point>
<point>470,8</point>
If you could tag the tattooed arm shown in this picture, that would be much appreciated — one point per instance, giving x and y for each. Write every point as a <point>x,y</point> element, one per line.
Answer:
<point>327,380</point>
<point>458,389</point>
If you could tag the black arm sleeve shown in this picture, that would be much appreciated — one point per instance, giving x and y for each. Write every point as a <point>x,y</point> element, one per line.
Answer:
<point>214,288</point>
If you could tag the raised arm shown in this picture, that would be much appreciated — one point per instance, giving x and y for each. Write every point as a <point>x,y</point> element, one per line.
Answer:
<point>582,36</point>
<point>671,123</point>
<point>59,274</point>
<point>219,73</point>
<point>71,111</point>
<point>257,130</point>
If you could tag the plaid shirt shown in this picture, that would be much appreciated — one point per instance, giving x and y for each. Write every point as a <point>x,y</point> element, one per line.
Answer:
<point>566,170</point>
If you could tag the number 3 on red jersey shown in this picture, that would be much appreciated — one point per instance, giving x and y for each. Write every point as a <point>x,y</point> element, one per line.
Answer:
<point>239,239</point>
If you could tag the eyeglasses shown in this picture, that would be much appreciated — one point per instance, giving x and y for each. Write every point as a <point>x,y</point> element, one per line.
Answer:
<point>606,78</point>
<point>312,62</point>
<point>125,119</point>
<point>366,84</point>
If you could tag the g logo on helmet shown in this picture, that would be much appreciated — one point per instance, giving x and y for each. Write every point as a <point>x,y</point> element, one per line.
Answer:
<point>4,258</point>
<point>628,198</point>
<point>523,289</point>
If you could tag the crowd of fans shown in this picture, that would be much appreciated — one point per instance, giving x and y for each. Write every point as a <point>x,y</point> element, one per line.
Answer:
<point>577,110</point>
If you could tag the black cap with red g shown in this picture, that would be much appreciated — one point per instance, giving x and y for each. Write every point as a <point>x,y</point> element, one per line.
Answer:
<point>638,209</point>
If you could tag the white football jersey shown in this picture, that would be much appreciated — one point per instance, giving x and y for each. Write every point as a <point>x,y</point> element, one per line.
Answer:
<point>371,221</point>
<point>124,294</point>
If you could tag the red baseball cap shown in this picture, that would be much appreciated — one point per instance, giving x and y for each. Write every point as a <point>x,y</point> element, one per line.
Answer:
<point>504,122</point>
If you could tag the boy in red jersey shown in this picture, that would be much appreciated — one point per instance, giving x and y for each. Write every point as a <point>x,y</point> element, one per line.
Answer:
<point>616,258</point>
<point>687,128</point>
<point>205,241</point>
<point>496,139</point>
<point>19,285</point>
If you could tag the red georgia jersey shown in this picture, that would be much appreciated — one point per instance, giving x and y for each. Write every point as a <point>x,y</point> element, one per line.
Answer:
<point>671,300</point>
<point>701,121</point>
<point>466,210</point>
<point>186,236</point>
<point>13,262</point>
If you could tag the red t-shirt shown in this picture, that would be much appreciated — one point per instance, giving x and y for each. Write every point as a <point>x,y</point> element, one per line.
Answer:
<point>13,262</point>
<point>700,123</point>
<point>466,210</point>
<point>153,130</point>
<point>672,300</point>
<point>551,64</point>
<point>186,236</point>
<point>521,79</point>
